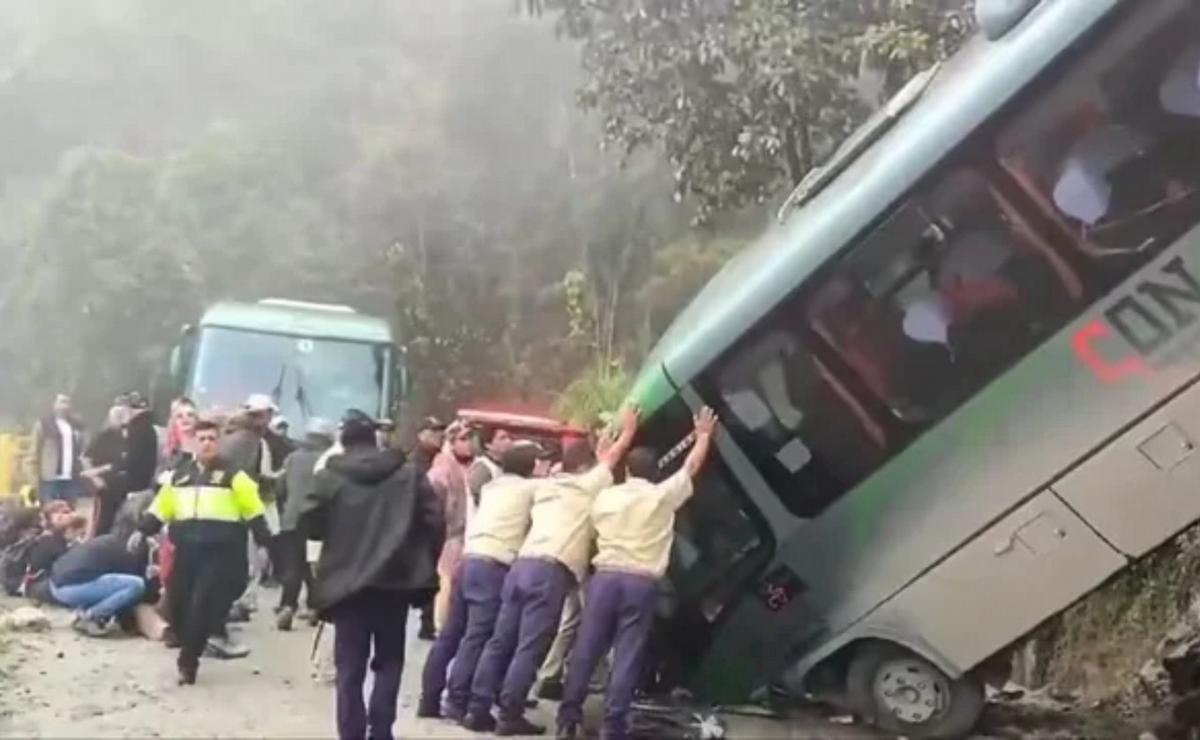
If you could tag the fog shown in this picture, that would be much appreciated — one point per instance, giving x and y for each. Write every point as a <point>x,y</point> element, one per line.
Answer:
<point>424,160</point>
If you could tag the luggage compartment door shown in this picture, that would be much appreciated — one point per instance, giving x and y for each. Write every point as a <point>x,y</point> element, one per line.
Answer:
<point>1000,585</point>
<point>1144,487</point>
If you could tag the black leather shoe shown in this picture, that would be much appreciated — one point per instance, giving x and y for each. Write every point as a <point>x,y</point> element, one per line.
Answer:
<point>478,722</point>
<point>187,676</point>
<point>568,731</point>
<point>428,710</point>
<point>519,727</point>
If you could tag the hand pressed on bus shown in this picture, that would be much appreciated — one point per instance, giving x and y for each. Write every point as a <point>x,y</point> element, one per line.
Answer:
<point>610,455</point>
<point>704,424</point>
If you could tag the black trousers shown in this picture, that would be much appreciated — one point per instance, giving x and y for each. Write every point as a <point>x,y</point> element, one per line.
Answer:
<point>365,623</point>
<point>206,580</point>
<point>294,570</point>
<point>108,504</point>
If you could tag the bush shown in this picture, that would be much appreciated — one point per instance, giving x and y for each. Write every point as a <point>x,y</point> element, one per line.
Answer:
<point>594,396</point>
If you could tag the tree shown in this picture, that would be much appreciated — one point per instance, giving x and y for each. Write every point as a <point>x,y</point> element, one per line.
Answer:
<point>744,97</point>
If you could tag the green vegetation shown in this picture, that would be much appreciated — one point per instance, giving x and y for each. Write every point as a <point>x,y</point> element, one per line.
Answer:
<point>422,160</point>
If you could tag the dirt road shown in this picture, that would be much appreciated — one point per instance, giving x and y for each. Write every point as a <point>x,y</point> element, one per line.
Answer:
<point>58,684</point>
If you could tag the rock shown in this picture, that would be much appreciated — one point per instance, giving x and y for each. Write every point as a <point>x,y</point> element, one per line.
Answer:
<point>25,619</point>
<point>1154,682</point>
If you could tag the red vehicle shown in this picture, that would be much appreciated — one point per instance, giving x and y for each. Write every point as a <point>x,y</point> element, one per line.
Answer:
<point>541,429</point>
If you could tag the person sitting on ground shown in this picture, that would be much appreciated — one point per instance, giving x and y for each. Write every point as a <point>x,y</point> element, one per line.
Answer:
<point>64,529</point>
<point>100,579</point>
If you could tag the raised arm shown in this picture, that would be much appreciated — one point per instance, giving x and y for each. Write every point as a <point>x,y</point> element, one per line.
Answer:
<point>610,455</point>
<point>704,422</point>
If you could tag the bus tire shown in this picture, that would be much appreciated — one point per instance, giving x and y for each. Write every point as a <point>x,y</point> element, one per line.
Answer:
<point>904,694</point>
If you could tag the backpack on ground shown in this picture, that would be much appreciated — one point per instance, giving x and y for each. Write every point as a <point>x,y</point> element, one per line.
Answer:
<point>14,565</point>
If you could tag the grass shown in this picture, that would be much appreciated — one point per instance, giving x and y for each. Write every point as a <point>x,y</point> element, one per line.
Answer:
<point>1097,646</point>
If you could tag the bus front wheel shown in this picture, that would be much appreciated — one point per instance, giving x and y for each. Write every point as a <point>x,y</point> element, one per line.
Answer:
<point>904,694</point>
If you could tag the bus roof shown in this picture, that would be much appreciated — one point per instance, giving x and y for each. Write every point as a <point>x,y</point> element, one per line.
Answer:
<point>305,320</point>
<point>970,88</point>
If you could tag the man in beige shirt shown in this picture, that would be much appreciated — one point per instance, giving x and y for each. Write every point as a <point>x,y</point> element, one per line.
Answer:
<point>552,561</point>
<point>635,527</point>
<point>492,539</point>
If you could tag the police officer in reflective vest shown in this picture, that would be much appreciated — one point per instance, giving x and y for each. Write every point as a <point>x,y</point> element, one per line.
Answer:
<point>208,504</point>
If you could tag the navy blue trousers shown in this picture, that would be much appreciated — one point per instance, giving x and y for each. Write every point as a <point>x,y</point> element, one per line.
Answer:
<point>474,606</point>
<point>534,593</point>
<point>618,614</point>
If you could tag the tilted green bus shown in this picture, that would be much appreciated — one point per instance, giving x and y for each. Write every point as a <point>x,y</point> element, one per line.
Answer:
<point>314,360</point>
<point>957,383</point>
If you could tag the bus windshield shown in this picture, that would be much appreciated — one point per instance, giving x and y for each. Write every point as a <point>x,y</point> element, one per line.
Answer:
<point>306,377</point>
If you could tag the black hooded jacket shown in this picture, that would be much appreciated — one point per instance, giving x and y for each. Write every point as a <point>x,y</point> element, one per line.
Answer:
<point>381,524</point>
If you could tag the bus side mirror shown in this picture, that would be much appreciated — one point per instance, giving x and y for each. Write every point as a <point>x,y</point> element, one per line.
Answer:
<point>175,367</point>
<point>402,376</point>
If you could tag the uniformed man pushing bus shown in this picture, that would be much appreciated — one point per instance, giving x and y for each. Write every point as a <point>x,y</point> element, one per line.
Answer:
<point>208,505</point>
<point>635,526</point>
<point>552,561</point>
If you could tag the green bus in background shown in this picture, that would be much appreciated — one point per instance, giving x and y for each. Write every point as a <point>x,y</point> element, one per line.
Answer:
<point>957,383</point>
<point>314,360</point>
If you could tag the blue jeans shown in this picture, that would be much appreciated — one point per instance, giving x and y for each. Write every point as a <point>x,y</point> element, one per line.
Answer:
<point>59,490</point>
<point>102,598</point>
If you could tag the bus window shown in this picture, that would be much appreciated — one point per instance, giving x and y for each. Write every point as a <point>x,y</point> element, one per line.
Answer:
<point>801,430</point>
<point>1109,152</point>
<point>948,293</point>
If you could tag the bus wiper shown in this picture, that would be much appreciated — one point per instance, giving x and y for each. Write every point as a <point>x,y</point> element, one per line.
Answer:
<point>277,391</point>
<point>302,398</point>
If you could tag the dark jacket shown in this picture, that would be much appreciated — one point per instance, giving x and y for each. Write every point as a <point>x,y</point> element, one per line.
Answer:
<point>298,482</point>
<point>89,560</point>
<point>141,453</point>
<point>381,525</point>
<point>45,552</point>
<point>242,445</point>
<point>108,448</point>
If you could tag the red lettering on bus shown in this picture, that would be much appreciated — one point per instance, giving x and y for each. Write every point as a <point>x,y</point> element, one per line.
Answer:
<point>1107,372</point>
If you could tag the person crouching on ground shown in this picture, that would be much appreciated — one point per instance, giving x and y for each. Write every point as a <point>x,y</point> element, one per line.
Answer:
<point>101,579</point>
<point>208,505</point>
<point>381,528</point>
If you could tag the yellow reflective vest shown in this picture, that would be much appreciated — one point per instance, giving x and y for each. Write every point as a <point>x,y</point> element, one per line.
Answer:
<point>207,504</point>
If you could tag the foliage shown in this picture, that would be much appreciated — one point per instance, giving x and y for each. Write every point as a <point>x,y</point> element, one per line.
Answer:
<point>744,97</point>
<point>596,393</point>
<point>413,159</point>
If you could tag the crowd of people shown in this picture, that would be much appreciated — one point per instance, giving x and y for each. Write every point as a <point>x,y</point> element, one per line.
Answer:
<point>528,562</point>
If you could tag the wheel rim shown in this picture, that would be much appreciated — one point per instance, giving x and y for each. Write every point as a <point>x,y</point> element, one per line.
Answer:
<point>911,690</point>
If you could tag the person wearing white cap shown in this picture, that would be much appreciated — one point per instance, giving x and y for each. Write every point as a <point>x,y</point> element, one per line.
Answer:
<point>297,482</point>
<point>244,447</point>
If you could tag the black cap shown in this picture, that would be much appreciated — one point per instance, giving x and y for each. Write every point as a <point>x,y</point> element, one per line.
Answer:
<point>355,421</point>
<point>432,424</point>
